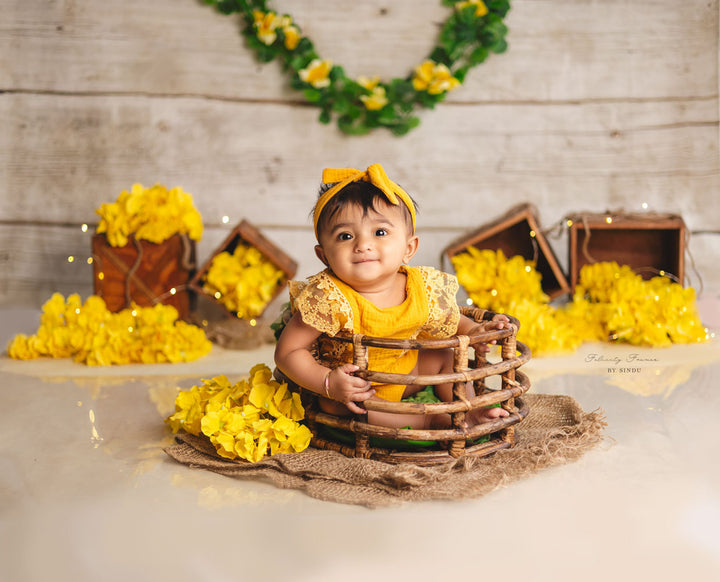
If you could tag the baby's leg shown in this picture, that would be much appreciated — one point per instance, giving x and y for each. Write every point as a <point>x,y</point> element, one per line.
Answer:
<point>442,362</point>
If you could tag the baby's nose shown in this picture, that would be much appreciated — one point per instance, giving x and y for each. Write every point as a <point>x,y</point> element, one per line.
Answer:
<point>362,243</point>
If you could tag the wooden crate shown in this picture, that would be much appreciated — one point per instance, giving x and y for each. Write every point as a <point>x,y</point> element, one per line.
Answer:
<point>650,244</point>
<point>246,233</point>
<point>517,233</point>
<point>145,273</point>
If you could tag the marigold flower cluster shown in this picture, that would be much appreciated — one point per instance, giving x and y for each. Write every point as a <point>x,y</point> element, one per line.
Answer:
<point>244,281</point>
<point>246,420</point>
<point>153,214</point>
<point>92,335</point>
<point>657,312</point>
<point>611,303</point>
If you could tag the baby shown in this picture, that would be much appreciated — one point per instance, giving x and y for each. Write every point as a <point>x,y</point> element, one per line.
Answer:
<point>365,228</point>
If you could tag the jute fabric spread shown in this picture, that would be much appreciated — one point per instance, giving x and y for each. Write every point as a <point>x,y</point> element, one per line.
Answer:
<point>557,431</point>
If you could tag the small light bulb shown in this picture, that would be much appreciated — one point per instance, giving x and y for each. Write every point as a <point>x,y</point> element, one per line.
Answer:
<point>133,313</point>
<point>173,291</point>
<point>225,219</point>
<point>528,268</point>
<point>89,260</point>
<point>645,205</point>
<point>101,276</point>
<point>493,292</point>
<point>569,223</point>
<point>217,295</point>
<point>71,259</point>
<point>84,227</point>
<point>532,233</point>
<point>609,220</point>
<point>253,323</point>
<point>130,329</point>
<point>469,301</point>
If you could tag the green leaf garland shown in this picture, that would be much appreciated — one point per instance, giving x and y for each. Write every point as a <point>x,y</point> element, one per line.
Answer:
<point>474,29</point>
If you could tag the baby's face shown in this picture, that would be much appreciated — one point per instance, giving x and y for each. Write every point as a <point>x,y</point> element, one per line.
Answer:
<point>365,249</point>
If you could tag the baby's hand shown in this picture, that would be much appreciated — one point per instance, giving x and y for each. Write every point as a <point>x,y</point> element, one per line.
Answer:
<point>349,389</point>
<point>499,321</point>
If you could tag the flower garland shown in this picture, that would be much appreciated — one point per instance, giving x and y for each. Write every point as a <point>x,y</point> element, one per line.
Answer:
<point>245,420</point>
<point>154,214</point>
<point>473,30</point>
<point>244,281</point>
<point>92,335</point>
<point>611,303</point>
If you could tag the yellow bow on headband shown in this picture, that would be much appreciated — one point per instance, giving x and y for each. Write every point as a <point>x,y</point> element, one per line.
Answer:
<point>375,174</point>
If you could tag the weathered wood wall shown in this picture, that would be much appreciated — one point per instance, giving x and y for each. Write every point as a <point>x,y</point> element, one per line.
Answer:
<point>596,105</point>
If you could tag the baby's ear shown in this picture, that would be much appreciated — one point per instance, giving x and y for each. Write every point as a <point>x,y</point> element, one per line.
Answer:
<point>320,253</point>
<point>413,243</point>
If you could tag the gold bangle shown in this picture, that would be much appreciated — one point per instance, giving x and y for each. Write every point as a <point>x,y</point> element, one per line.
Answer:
<point>326,383</point>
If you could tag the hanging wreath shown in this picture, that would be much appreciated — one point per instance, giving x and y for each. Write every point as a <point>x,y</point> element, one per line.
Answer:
<point>473,30</point>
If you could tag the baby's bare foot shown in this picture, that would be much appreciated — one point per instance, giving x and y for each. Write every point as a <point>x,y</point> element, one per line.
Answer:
<point>487,414</point>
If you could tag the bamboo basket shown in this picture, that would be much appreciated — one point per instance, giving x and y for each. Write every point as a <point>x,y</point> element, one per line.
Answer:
<point>457,441</point>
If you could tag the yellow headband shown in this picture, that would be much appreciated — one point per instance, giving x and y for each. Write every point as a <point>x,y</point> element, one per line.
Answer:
<point>375,175</point>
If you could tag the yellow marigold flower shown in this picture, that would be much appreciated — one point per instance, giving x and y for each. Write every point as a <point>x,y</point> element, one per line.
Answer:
<point>265,25</point>
<point>317,73</point>
<point>292,37</point>
<point>376,100</point>
<point>378,96</point>
<point>19,348</point>
<point>368,83</point>
<point>435,78</point>
<point>480,8</point>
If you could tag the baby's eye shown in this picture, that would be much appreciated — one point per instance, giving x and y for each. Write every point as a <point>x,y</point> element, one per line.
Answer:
<point>344,236</point>
<point>381,232</point>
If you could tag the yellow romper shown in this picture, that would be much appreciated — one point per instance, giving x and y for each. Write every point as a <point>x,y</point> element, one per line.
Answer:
<point>429,311</point>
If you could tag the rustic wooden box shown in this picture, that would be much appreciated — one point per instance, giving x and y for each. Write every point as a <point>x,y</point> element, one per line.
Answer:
<point>650,244</point>
<point>248,234</point>
<point>145,273</point>
<point>517,233</point>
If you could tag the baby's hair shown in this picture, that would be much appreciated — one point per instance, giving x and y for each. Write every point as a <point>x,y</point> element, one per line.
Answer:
<point>363,194</point>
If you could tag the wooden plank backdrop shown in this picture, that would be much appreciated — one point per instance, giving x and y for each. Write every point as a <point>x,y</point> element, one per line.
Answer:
<point>595,106</point>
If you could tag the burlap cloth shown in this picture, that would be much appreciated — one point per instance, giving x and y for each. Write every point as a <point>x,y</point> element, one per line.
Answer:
<point>557,431</point>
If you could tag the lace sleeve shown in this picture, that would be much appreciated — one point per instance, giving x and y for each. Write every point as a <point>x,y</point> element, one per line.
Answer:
<point>321,304</point>
<point>444,313</point>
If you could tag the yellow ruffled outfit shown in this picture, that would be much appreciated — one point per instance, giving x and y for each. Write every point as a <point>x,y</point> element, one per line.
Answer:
<point>430,310</point>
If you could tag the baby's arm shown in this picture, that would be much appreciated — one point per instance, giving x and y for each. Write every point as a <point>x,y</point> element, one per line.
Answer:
<point>293,357</point>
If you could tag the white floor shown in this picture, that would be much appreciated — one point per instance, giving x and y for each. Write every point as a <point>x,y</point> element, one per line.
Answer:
<point>87,494</point>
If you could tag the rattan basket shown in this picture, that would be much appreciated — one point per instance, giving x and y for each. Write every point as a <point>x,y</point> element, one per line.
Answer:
<point>430,446</point>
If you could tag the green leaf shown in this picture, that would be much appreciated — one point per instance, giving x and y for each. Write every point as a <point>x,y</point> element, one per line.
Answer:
<point>227,6</point>
<point>477,56</point>
<point>325,116</point>
<point>312,95</point>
